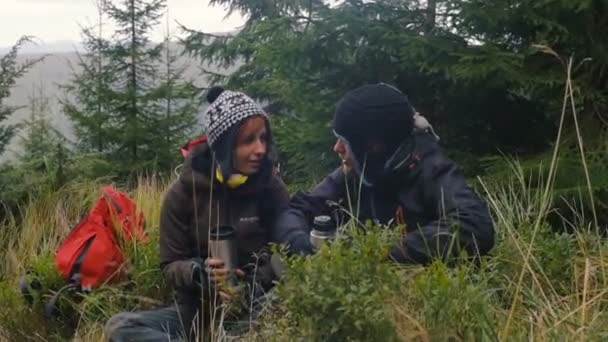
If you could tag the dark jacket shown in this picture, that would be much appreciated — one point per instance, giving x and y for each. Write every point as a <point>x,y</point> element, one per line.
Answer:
<point>442,213</point>
<point>194,203</point>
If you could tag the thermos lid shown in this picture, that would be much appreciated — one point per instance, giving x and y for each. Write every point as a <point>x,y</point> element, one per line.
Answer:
<point>222,233</point>
<point>323,223</point>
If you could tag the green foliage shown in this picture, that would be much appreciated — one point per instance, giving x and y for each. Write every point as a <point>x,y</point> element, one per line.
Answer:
<point>10,71</point>
<point>89,92</point>
<point>144,266</point>
<point>45,163</point>
<point>471,67</point>
<point>130,103</point>
<point>570,197</point>
<point>145,288</point>
<point>570,27</point>
<point>25,181</point>
<point>550,249</point>
<point>454,303</point>
<point>340,294</point>
<point>176,104</point>
<point>20,322</point>
<point>137,123</point>
<point>79,312</point>
<point>349,290</point>
<point>307,147</point>
<point>39,138</point>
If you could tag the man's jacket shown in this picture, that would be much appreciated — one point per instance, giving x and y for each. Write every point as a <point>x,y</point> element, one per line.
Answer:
<point>429,194</point>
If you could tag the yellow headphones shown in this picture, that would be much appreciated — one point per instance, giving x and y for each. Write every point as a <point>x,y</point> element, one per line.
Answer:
<point>235,180</point>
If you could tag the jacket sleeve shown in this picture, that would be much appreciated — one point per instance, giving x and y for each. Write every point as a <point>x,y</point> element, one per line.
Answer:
<point>176,250</point>
<point>461,218</point>
<point>293,223</point>
<point>274,201</point>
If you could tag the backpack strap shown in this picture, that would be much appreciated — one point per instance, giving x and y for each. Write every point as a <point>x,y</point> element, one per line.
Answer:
<point>75,276</point>
<point>187,148</point>
<point>26,286</point>
<point>113,203</point>
<point>50,308</point>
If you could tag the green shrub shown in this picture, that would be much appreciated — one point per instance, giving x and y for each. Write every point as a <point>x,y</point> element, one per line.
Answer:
<point>452,303</point>
<point>340,294</point>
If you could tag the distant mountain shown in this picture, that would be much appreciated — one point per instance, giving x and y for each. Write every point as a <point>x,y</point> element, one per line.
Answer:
<point>56,70</point>
<point>62,46</point>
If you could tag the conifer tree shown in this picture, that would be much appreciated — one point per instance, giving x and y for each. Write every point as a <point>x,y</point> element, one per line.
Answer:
<point>131,103</point>
<point>88,94</point>
<point>38,138</point>
<point>176,105</point>
<point>134,60</point>
<point>10,71</point>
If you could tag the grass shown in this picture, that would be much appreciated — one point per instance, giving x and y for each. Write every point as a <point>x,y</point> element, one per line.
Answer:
<point>537,284</point>
<point>30,243</point>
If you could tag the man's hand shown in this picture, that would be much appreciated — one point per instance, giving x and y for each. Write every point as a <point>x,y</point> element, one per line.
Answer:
<point>302,246</point>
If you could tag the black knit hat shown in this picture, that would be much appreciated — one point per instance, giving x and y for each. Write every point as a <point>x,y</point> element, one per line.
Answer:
<point>375,113</point>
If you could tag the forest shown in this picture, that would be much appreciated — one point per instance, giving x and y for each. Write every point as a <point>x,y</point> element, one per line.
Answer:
<point>517,90</point>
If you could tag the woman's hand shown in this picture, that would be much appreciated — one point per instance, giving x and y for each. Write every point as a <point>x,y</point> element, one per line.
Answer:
<point>219,276</point>
<point>215,270</point>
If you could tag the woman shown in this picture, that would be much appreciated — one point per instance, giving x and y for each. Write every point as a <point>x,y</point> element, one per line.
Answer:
<point>228,179</point>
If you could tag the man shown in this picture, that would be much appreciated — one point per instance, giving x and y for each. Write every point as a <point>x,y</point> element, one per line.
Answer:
<point>393,173</point>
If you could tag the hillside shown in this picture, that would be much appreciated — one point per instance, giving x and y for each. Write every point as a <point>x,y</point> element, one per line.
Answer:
<point>56,70</point>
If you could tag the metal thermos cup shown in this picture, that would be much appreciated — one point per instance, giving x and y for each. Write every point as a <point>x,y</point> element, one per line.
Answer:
<point>323,231</point>
<point>222,245</point>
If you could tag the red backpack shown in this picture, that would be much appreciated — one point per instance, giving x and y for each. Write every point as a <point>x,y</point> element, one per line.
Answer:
<point>191,145</point>
<point>91,255</point>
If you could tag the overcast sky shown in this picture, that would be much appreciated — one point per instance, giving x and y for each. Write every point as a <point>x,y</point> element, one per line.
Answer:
<point>58,20</point>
